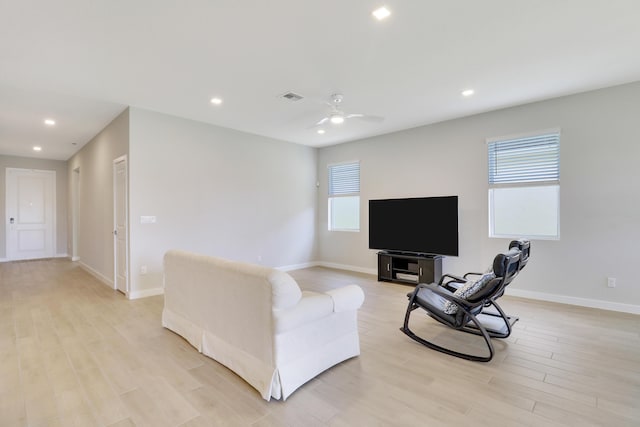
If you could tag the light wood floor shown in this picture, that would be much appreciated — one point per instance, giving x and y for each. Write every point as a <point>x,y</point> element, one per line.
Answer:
<point>75,353</point>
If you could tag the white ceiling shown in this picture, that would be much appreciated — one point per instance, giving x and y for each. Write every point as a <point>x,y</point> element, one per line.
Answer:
<point>82,62</point>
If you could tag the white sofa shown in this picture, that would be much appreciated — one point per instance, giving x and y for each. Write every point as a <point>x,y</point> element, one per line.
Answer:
<point>256,321</point>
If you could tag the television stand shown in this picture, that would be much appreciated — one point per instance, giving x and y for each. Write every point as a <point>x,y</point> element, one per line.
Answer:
<point>409,269</point>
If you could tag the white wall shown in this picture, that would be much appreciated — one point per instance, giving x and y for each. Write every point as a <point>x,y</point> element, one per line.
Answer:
<point>95,227</point>
<point>216,191</point>
<point>60,167</point>
<point>600,192</point>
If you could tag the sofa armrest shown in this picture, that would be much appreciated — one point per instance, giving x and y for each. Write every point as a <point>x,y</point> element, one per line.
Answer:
<point>311,307</point>
<point>347,298</point>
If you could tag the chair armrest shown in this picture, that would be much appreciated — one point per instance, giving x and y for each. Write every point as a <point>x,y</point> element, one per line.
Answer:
<point>446,294</point>
<point>472,274</point>
<point>451,276</point>
<point>454,283</point>
<point>347,298</point>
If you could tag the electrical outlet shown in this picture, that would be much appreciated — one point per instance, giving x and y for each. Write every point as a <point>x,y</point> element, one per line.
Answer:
<point>611,282</point>
<point>143,269</point>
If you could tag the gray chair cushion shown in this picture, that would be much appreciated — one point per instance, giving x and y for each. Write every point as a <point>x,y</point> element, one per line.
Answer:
<point>468,290</point>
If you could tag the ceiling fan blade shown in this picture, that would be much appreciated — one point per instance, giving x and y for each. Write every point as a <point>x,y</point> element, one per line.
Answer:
<point>319,123</point>
<point>365,117</point>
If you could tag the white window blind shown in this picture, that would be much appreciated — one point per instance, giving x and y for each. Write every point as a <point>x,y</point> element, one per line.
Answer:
<point>524,186</point>
<point>344,197</point>
<point>344,179</point>
<point>522,160</point>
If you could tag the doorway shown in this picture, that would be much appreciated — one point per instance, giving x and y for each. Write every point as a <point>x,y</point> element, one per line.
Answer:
<point>121,226</point>
<point>31,214</point>
<point>75,214</point>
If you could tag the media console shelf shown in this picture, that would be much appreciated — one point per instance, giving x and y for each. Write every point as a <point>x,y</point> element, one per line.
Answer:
<point>409,269</point>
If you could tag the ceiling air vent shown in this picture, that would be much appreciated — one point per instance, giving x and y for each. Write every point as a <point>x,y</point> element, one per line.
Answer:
<point>291,96</point>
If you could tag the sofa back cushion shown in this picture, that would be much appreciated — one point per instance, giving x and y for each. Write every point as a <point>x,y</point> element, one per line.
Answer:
<point>232,300</point>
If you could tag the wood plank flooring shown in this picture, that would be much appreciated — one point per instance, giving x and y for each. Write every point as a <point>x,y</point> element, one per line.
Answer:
<point>76,353</point>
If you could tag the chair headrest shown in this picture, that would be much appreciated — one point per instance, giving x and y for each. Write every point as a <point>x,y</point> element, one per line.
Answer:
<point>525,247</point>
<point>507,265</point>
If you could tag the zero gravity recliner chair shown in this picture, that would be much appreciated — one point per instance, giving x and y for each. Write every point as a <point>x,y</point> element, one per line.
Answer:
<point>462,308</point>
<point>492,308</point>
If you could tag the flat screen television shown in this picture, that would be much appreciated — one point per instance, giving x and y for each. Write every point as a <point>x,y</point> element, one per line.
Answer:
<point>421,225</point>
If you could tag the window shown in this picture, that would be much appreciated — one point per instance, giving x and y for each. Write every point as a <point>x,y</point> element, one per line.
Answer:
<point>344,197</point>
<point>524,186</point>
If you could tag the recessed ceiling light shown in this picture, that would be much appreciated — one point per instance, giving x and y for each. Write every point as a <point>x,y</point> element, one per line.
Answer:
<point>468,92</point>
<point>381,13</point>
<point>216,101</point>
<point>49,122</point>
<point>321,131</point>
<point>37,148</point>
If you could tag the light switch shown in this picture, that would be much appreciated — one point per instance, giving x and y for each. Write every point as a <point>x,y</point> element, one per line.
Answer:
<point>147,219</point>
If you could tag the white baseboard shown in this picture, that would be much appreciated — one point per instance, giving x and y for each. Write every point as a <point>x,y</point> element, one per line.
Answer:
<point>582,302</point>
<point>103,279</point>
<point>145,293</point>
<point>55,256</point>
<point>541,296</point>
<point>75,258</point>
<point>297,266</point>
<point>328,265</point>
<point>348,268</point>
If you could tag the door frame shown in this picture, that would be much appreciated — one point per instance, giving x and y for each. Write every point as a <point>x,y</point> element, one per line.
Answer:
<point>116,162</point>
<point>54,200</point>
<point>75,214</point>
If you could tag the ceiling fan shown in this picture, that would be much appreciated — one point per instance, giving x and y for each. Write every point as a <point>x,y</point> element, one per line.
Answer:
<point>337,116</point>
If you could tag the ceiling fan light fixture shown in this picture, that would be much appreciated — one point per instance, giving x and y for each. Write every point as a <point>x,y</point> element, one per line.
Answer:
<point>336,119</point>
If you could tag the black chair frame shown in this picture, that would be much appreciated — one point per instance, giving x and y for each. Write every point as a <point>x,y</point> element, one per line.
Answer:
<point>524,246</point>
<point>467,316</point>
<point>466,319</point>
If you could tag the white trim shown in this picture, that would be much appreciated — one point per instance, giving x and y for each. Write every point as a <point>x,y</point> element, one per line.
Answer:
<point>328,265</point>
<point>145,293</point>
<point>540,296</point>
<point>102,278</point>
<point>75,258</point>
<point>347,162</point>
<point>582,302</point>
<point>116,162</point>
<point>65,255</point>
<point>4,259</point>
<point>557,130</point>
<point>297,266</point>
<point>348,267</point>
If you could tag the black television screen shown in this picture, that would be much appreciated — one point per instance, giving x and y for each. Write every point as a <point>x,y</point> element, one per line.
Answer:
<point>423,225</point>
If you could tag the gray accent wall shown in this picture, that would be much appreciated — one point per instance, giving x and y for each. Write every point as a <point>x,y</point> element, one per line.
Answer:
<point>599,191</point>
<point>95,164</point>
<point>60,167</point>
<point>216,191</point>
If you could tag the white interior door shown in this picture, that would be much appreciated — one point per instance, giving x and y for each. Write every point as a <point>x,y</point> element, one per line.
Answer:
<point>31,208</point>
<point>120,229</point>
<point>75,214</point>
